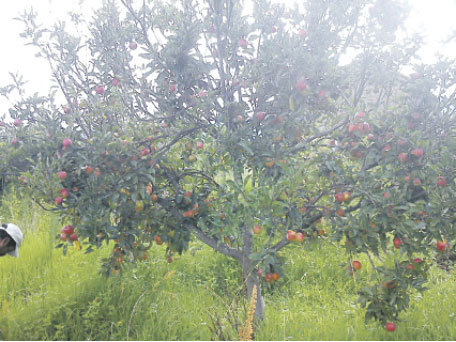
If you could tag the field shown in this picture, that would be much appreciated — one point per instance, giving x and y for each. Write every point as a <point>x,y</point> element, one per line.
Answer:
<point>45,295</point>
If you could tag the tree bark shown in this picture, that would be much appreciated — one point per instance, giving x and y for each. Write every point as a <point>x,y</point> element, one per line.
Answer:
<point>250,276</point>
<point>251,280</point>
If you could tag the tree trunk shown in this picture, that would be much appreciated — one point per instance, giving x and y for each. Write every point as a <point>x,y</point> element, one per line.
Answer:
<point>251,280</point>
<point>250,275</point>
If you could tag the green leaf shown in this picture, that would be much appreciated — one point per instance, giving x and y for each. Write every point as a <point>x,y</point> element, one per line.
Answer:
<point>255,256</point>
<point>246,148</point>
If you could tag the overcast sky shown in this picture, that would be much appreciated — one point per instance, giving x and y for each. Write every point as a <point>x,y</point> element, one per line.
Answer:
<point>435,20</point>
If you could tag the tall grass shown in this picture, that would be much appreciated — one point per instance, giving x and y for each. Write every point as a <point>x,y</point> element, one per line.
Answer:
<point>45,295</point>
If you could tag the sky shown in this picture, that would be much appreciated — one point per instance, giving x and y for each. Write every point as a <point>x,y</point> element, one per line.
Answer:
<point>432,19</point>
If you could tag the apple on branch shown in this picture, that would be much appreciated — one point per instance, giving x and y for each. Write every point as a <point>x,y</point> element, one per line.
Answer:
<point>256,229</point>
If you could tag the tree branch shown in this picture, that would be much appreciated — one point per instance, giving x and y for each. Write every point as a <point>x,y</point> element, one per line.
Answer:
<point>284,242</point>
<point>200,235</point>
<point>222,248</point>
<point>302,145</point>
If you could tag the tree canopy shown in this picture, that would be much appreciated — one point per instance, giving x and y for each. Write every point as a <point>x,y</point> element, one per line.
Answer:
<point>236,123</point>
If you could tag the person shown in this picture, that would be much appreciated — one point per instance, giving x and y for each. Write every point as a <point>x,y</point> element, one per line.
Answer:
<point>10,239</point>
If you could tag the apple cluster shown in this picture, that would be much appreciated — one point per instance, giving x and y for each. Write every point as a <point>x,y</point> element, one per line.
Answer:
<point>67,232</point>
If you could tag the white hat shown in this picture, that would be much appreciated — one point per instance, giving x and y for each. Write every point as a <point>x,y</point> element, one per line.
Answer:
<point>15,234</point>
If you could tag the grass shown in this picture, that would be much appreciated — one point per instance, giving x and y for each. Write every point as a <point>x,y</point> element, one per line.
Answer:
<point>45,295</point>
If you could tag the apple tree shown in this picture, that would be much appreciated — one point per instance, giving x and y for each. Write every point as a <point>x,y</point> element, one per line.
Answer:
<point>249,126</point>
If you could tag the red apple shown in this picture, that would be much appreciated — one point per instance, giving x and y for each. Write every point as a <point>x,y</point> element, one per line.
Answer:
<point>347,195</point>
<point>172,88</point>
<point>17,122</point>
<point>97,172</point>
<point>68,229</point>
<point>390,326</point>
<point>63,237</point>
<point>188,194</point>
<point>58,200</point>
<point>360,115</point>
<point>260,272</point>
<point>144,152</point>
<point>356,265</point>
<point>64,193</point>
<point>158,240</point>
<point>416,116</point>
<point>256,229</point>
<point>89,170</point>
<point>62,174</point>
<point>340,197</point>
<point>357,153</point>
<point>133,45</point>
<point>440,181</point>
<point>407,178</point>
<point>199,145</point>
<point>417,260</point>
<point>340,212</point>
<point>386,195</point>
<point>300,237</point>
<point>73,237</point>
<point>99,89</point>
<point>2,123</point>
<point>269,277</point>
<point>363,127</point>
<point>291,235</point>
<point>403,157</point>
<point>351,128</point>
<point>417,152</point>
<point>188,213</point>
<point>115,81</point>
<point>398,242</point>
<point>261,116</point>
<point>442,245</point>
<point>301,84</point>
<point>410,267</point>
<point>67,142</point>
<point>387,148</point>
<point>416,181</point>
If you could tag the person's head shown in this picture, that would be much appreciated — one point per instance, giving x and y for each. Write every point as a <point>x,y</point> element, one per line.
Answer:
<point>10,239</point>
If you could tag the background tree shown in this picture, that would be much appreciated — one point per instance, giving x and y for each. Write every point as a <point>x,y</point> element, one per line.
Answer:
<point>236,123</point>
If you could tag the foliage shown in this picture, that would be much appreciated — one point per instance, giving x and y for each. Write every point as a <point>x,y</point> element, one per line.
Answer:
<point>197,118</point>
